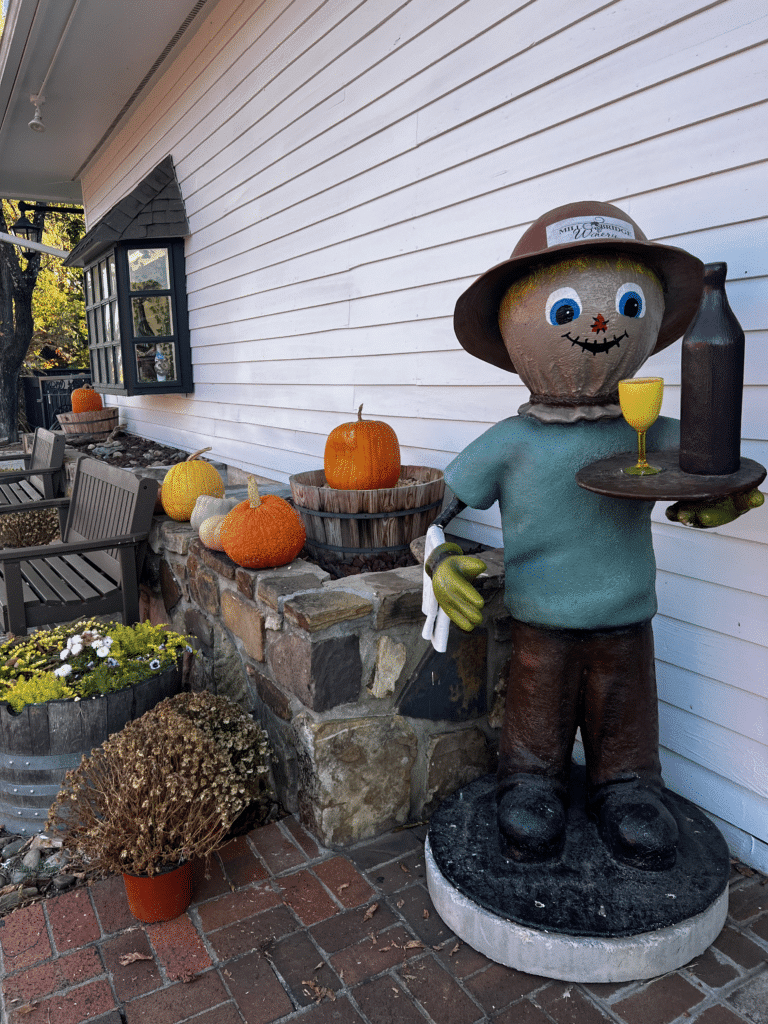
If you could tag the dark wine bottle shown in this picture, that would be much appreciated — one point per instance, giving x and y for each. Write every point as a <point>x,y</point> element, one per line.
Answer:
<point>712,382</point>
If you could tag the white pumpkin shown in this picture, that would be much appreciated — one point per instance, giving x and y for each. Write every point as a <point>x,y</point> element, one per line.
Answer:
<point>210,532</point>
<point>209,505</point>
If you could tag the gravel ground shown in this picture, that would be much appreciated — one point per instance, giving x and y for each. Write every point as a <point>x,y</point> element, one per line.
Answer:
<point>33,868</point>
<point>126,450</point>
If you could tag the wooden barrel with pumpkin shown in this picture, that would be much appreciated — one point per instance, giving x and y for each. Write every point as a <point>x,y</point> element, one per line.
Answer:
<point>344,525</point>
<point>363,507</point>
<point>99,423</point>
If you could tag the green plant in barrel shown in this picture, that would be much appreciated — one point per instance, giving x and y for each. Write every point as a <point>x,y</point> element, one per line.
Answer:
<point>84,659</point>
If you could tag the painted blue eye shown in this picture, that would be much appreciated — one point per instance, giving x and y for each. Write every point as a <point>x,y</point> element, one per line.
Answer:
<point>563,306</point>
<point>630,300</point>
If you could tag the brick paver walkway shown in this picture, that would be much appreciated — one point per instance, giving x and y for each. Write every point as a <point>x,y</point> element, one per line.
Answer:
<point>284,931</point>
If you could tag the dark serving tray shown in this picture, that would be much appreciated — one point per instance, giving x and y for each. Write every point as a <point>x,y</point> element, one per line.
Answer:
<point>672,484</point>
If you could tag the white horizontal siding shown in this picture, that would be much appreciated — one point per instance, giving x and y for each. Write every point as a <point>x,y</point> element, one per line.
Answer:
<point>348,169</point>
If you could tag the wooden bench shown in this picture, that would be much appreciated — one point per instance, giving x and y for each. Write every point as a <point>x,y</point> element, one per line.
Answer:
<point>43,475</point>
<point>94,569</point>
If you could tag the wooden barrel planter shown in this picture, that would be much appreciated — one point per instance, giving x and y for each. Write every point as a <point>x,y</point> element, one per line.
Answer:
<point>98,422</point>
<point>347,525</point>
<point>42,742</point>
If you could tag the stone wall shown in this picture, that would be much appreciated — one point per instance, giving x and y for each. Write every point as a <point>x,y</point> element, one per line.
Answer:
<point>369,726</point>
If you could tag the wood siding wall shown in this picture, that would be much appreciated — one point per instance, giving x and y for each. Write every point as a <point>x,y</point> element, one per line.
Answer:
<point>349,167</point>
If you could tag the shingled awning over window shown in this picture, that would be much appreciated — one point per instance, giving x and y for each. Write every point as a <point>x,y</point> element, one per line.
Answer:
<point>154,209</point>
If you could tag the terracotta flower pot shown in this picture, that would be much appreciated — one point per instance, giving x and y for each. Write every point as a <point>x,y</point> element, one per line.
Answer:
<point>159,897</point>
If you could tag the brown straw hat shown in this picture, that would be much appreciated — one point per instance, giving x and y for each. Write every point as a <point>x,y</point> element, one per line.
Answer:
<point>577,228</point>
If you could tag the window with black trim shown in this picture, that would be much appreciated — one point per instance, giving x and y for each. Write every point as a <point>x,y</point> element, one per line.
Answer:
<point>136,305</point>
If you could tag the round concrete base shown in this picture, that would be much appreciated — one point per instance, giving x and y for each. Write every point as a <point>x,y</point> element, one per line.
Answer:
<point>582,917</point>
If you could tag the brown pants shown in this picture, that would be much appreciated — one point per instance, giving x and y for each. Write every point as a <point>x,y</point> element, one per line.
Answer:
<point>603,681</point>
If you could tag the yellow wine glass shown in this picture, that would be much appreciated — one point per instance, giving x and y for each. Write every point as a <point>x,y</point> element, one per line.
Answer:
<point>640,400</point>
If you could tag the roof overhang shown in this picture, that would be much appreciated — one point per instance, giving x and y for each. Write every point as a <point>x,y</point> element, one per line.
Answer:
<point>154,209</point>
<point>92,59</point>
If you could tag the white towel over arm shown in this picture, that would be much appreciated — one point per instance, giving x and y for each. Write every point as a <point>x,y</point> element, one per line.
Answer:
<point>437,622</point>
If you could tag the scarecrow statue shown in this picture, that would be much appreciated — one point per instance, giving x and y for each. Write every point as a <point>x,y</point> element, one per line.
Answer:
<point>582,303</point>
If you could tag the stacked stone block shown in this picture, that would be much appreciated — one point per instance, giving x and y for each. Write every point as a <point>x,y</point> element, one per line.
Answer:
<point>370,728</point>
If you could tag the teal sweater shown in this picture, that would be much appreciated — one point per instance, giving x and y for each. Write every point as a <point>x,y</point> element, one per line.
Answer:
<point>573,559</point>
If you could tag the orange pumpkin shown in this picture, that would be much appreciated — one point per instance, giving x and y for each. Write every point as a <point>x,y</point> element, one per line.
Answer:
<point>362,455</point>
<point>85,399</point>
<point>262,533</point>
<point>185,482</point>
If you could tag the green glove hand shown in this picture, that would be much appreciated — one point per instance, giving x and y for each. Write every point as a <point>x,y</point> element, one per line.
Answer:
<point>451,571</point>
<point>706,514</point>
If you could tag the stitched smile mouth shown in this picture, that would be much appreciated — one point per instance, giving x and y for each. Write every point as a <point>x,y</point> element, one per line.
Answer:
<point>596,346</point>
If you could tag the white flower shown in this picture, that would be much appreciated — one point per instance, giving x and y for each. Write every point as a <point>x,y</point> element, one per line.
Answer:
<point>63,671</point>
<point>64,654</point>
<point>102,652</point>
<point>154,664</point>
<point>75,643</point>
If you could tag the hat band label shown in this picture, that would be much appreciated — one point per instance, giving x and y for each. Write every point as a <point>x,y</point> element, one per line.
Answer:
<point>577,229</point>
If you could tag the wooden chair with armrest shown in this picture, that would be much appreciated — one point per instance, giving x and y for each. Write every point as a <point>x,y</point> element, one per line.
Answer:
<point>94,569</point>
<point>43,475</point>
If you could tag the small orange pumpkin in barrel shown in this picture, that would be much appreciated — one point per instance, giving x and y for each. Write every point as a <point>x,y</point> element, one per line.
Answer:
<point>85,399</point>
<point>362,456</point>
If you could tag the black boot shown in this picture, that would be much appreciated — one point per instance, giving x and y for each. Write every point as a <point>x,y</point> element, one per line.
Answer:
<point>530,810</point>
<point>635,824</point>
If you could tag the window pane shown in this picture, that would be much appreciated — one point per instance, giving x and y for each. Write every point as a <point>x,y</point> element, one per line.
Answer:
<point>118,366</point>
<point>112,274</point>
<point>148,270</point>
<point>96,289</point>
<point>115,322</point>
<point>156,362</point>
<point>98,316</point>
<point>152,317</point>
<point>165,361</point>
<point>108,322</point>
<point>104,279</point>
<point>88,289</point>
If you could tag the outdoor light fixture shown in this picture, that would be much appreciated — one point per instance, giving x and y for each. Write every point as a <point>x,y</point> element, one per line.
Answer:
<point>38,98</point>
<point>36,124</point>
<point>24,228</point>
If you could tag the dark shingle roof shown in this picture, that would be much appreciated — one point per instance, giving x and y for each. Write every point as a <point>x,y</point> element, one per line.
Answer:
<point>154,209</point>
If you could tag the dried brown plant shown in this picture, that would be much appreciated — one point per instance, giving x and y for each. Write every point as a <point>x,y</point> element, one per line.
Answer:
<point>164,789</point>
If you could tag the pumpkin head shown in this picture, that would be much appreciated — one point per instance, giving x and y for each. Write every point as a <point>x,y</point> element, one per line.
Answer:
<point>185,482</point>
<point>362,455</point>
<point>85,399</point>
<point>262,533</point>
